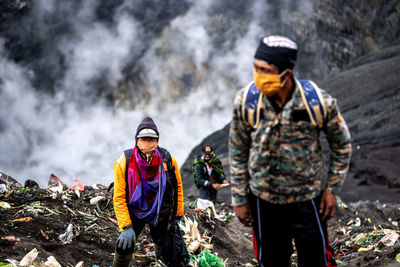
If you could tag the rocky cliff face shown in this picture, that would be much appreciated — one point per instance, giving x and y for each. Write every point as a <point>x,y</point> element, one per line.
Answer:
<point>330,35</point>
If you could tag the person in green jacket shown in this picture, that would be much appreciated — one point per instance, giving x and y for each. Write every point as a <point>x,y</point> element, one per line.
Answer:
<point>208,174</point>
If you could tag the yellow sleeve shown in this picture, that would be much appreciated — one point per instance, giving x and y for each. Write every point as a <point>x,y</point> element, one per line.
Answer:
<point>179,210</point>
<point>120,206</point>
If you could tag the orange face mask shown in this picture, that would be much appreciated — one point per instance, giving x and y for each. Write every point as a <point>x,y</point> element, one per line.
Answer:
<point>267,83</point>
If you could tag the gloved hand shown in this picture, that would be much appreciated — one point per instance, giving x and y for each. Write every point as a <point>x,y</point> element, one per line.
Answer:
<point>126,239</point>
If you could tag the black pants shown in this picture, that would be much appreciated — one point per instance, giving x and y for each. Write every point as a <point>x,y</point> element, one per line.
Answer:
<point>208,193</point>
<point>276,225</point>
<point>156,232</point>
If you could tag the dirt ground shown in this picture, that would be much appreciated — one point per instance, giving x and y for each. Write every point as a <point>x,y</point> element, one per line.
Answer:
<point>95,233</point>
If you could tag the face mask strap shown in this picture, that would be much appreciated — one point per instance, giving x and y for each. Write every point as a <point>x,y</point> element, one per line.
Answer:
<point>281,74</point>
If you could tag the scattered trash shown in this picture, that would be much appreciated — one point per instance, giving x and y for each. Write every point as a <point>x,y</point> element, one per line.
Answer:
<point>204,204</point>
<point>389,239</point>
<point>194,241</point>
<point>55,184</point>
<point>79,264</point>
<point>357,222</point>
<point>361,238</point>
<point>66,237</point>
<point>3,188</point>
<point>3,264</point>
<point>77,187</point>
<point>365,249</point>
<point>31,184</point>
<point>54,181</point>
<point>96,200</point>
<point>25,219</point>
<point>29,258</point>
<point>44,235</point>
<point>206,259</point>
<point>52,262</point>
<point>4,205</point>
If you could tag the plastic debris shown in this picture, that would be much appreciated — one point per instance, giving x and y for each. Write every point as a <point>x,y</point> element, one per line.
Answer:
<point>206,204</point>
<point>79,264</point>
<point>3,264</point>
<point>360,238</point>
<point>78,187</point>
<point>31,184</point>
<point>3,188</point>
<point>389,239</point>
<point>96,200</point>
<point>365,249</point>
<point>52,262</point>
<point>66,237</point>
<point>55,184</point>
<point>207,259</point>
<point>4,205</point>
<point>54,181</point>
<point>29,258</point>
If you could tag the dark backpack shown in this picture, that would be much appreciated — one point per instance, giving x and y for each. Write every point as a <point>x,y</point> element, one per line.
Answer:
<point>167,159</point>
<point>310,93</point>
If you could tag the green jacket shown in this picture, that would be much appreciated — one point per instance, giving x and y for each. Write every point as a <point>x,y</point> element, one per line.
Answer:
<point>200,173</point>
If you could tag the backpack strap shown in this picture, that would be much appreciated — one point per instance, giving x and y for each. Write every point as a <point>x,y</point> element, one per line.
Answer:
<point>167,159</point>
<point>251,105</point>
<point>310,93</point>
<point>128,154</point>
<point>314,102</point>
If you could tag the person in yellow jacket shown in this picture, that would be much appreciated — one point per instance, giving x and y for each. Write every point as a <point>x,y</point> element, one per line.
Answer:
<point>147,190</point>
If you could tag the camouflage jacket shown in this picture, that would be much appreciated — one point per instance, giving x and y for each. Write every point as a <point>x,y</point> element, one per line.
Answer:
<point>281,160</point>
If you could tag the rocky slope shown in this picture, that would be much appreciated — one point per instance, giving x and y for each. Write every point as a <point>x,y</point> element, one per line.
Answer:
<point>33,218</point>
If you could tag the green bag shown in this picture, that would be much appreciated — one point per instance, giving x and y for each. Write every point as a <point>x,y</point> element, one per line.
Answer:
<point>207,259</point>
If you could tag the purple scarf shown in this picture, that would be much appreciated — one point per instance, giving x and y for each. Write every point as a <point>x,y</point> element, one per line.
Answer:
<point>146,186</point>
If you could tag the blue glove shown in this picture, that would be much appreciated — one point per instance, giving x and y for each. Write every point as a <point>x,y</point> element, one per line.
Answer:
<point>126,239</point>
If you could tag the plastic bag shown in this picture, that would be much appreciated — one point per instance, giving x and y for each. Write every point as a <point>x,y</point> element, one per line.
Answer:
<point>173,250</point>
<point>205,204</point>
<point>207,259</point>
<point>66,237</point>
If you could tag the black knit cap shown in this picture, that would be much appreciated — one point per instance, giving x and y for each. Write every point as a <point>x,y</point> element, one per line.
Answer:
<point>147,123</point>
<point>277,50</point>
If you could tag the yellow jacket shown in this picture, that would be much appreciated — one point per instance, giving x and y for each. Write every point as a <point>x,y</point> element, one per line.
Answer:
<point>120,205</point>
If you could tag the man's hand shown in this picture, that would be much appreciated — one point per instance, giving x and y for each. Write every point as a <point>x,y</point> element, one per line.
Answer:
<point>327,206</point>
<point>216,186</point>
<point>126,239</point>
<point>243,213</point>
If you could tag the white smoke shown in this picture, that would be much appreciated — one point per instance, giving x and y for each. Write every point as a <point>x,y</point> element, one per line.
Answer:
<point>73,136</point>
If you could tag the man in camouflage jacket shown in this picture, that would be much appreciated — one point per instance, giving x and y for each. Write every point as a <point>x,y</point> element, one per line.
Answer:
<point>277,168</point>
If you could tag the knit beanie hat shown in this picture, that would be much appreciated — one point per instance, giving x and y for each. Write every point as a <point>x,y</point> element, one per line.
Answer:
<point>147,128</point>
<point>277,50</point>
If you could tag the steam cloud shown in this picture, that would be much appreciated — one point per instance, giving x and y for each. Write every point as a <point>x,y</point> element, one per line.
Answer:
<point>73,136</point>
